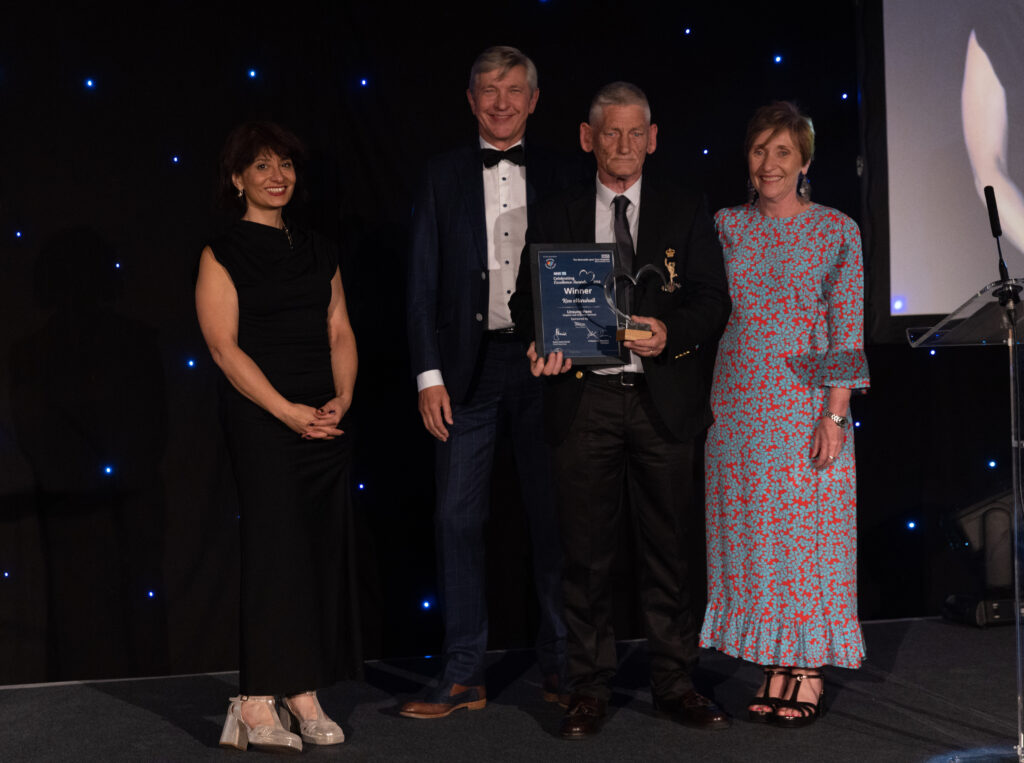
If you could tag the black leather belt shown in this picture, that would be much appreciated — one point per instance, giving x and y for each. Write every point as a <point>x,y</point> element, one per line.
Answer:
<point>501,335</point>
<point>625,379</point>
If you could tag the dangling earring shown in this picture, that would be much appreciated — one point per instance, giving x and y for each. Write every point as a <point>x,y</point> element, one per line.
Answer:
<point>751,192</point>
<point>241,193</point>
<point>803,187</point>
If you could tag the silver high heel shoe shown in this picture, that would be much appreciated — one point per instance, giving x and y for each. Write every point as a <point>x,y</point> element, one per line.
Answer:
<point>238,734</point>
<point>319,730</point>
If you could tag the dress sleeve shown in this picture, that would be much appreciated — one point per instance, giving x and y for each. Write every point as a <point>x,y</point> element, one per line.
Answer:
<point>845,364</point>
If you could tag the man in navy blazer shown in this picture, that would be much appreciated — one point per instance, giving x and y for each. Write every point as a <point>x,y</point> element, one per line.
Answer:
<point>625,437</point>
<point>468,230</point>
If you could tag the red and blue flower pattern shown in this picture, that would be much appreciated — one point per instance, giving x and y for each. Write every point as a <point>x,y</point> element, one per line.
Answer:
<point>781,535</point>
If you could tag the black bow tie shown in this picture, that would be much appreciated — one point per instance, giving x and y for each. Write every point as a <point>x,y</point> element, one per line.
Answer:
<point>491,157</point>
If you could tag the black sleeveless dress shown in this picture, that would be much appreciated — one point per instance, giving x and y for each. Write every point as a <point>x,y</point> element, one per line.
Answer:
<point>297,615</point>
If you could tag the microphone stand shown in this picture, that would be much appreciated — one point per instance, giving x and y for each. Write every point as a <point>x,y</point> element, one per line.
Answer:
<point>1009,298</point>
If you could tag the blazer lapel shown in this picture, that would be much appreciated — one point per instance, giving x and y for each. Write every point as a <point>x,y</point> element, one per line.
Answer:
<point>470,179</point>
<point>580,212</point>
<point>652,216</point>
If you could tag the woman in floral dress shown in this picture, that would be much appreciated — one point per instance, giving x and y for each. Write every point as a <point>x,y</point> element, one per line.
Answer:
<point>781,479</point>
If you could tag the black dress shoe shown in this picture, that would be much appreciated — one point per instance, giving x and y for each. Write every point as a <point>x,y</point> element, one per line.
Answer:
<point>583,718</point>
<point>693,709</point>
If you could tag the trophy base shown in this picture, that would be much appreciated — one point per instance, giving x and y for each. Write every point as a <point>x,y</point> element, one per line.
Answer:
<point>631,335</point>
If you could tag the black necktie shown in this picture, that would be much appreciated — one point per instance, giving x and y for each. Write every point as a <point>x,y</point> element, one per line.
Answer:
<point>624,239</point>
<point>491,157</point>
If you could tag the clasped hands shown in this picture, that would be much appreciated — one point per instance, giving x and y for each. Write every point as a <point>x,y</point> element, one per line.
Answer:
<point>317,423</point>
<point>651,347</point>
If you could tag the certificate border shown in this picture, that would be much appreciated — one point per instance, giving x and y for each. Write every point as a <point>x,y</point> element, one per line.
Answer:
<point>536,251</point>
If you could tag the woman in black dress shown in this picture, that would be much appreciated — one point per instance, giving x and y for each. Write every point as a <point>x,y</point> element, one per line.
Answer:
<point>272,309</point>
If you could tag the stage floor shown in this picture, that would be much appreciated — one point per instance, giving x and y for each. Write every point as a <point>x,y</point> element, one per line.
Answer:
<point>930,691</point>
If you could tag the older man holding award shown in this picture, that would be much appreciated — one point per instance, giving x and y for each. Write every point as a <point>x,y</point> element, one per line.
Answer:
<point>624,427</point>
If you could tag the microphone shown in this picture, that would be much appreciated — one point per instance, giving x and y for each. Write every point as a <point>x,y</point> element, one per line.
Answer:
<point>993,211</point>
<point>1008,293</point>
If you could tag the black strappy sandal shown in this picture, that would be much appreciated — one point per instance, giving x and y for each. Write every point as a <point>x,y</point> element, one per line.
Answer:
<point>808,712</point>
<point>765,699</point>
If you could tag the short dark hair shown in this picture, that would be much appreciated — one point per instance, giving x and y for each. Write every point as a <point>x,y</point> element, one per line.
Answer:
<point>778,116</point>
<point>244,144</point>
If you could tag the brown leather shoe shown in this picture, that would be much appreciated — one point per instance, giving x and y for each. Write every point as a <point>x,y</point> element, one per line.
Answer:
<point>583,718</point>
<point>552,690</point>
<point>693,709</point>
<point>459,696</point>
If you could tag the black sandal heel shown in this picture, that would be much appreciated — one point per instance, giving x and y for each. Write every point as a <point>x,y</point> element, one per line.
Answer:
<point>765,699</point>
<point>809,712</point>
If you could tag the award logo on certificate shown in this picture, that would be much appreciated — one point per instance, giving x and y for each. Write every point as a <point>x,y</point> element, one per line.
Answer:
<point>571,314</point>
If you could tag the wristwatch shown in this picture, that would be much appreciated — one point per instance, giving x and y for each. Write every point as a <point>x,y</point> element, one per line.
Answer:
<point>841,421</point>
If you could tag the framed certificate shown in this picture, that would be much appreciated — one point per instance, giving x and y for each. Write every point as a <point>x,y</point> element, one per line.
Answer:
<point>571,313</point>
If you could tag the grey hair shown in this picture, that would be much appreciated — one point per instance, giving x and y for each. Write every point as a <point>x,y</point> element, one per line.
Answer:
<point>618,94</point>
<point>503,57</point>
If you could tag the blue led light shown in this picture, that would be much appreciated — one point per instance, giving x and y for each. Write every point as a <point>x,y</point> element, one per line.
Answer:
<point>426,603</point>
<point>117,266</point>
<point>992,464</point>
<point>17,234</point>
<point>6,574</point>
<point>190,363</point>
<point>252,74</point>
<point>364,82</point>
<point>175,159</point>
<point>898,304</point>
<point>844,96</point>
<point>108,469</point>
<point>777,59</point>
<point>361,486</point>
<point>706,152</point>
<point>90,83</point>
<point>911,525</point>
<point>686,31</point>
<point>931,352</point>
<point>151,594</point>
<point>856,424</point>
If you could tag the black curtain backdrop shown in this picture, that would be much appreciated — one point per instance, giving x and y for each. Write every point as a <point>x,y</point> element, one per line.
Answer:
<point>118,542</point>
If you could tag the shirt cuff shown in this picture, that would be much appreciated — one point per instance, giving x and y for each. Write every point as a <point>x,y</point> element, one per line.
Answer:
<point>431,378</point>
